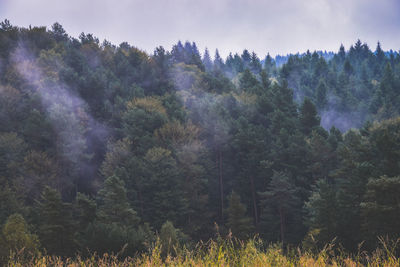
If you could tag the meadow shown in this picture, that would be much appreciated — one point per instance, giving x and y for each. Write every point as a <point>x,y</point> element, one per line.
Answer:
<point>228,252</point>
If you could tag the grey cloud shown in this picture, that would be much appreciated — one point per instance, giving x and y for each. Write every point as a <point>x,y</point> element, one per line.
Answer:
<point>286,26</point>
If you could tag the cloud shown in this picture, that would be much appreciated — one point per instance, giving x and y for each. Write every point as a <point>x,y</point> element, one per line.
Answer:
<point>229,25</point>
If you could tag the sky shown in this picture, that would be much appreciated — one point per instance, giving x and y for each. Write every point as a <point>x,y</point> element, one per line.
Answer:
<point>275,27</point>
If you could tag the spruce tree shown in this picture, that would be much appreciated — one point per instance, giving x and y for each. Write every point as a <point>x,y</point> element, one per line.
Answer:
<point>56,227</point>
<point>279,204</point>
<point>309,118</point>
<point>113,204</point>
<point>238,222</point>
<point>381,209</point>
<point>208,64</point>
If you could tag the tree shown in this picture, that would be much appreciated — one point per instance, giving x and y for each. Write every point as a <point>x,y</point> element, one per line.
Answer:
<point>380,55</point>
<point>249,83</point>
<point>116,227</point>
<point>142,117</point>
<point>84,209</point>
<point>322,212</point>
<point>113,204</point>
<point>218,62</point>
<point>348,68</point>
<point>387,95</point>
<point>321,95</point>
<point>170,238</point>
<point>59,32</point>
<point>246,57</point>
<point>39,170</point>
<point>255,64</point>
<point>12,150</point>
<point>309,118</point>
<point>279,204</point>
<point>208,64</point>
<point>381,209</point>
<point>163,198</point>
<point>351,177</point>
<point>238,222</point>
<point>342,53</point>
<point>269,65</point>
<point>16,238</point>
<point>56,227</point>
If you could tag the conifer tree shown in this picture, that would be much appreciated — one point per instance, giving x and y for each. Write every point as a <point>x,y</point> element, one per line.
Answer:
<point>279,203</point>
<point>207,60</point>
<point>381,209</point>
<point>56,227</point>
<point>113,204</point>
<point>238,222</point>
<point>309,118</point>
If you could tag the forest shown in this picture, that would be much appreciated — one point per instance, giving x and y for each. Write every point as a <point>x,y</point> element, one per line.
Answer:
<point>109,149</point>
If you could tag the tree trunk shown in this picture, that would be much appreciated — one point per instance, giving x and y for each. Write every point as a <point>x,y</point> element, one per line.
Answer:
<point>282,226</point>
<point>253,193</point>
<point>221,185</point>
<point>141,201</point>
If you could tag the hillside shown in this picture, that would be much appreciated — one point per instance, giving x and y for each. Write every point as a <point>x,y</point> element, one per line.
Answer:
<point>104,147</point>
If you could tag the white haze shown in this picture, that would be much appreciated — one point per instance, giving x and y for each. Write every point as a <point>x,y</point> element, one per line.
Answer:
<point>277,27</point>
<point>66,111</point>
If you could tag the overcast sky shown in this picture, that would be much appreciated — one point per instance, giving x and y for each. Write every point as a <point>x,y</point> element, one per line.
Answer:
<point>277,27</point>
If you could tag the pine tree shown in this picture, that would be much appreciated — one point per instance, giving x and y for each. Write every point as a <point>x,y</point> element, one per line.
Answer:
<point>322,210</point>
<point>269,65</point>
<point>321,95</point>
<point>56,227</point>
<point>163,198</point>
<point>113,204</point>
<point>381,209</point>
<point>84,210</point>
<point>238,222</point>
<point>255,64</point>
<point>380,55</point>
<point>342,53</point>
<point>218,62</point>
<point>208,64</point>
<point>309,118</point>
<point>249,83</point>
<point>279,204</point>
<point>246,57</point>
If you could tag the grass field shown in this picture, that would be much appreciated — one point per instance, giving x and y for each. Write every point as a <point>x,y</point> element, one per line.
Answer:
<point>226,253</point>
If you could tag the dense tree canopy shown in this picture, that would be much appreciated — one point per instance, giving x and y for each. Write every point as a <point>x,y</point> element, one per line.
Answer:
<point>104,146</point>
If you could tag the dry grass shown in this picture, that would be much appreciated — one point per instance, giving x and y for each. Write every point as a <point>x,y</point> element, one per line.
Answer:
<point>226,253</point>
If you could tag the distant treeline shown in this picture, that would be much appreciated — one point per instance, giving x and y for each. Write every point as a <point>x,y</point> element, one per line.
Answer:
<point>104,147</point>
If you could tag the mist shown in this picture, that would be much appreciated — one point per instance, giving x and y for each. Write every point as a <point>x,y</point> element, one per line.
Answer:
<point>67,112</point>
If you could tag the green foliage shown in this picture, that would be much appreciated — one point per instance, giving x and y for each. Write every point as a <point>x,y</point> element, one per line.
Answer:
<point>280,204</point>
<point>55,225</point>
<point>113,204</point>
<point>380,208</point>
<point>16,239</point>
<point>132,142</point>
<point>238,223</point>
<point>171,239</point>
<point>309,118</point>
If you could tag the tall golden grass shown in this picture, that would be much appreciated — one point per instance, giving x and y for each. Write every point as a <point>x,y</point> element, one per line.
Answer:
<point>228,252</point>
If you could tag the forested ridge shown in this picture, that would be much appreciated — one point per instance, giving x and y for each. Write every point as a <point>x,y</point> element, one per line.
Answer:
<point>106,148</point>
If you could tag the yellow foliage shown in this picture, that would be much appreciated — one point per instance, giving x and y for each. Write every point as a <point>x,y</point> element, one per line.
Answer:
<point>177,134</point>
<point>149,104</point>
<point>157,153</point>
<point>246,98</point>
